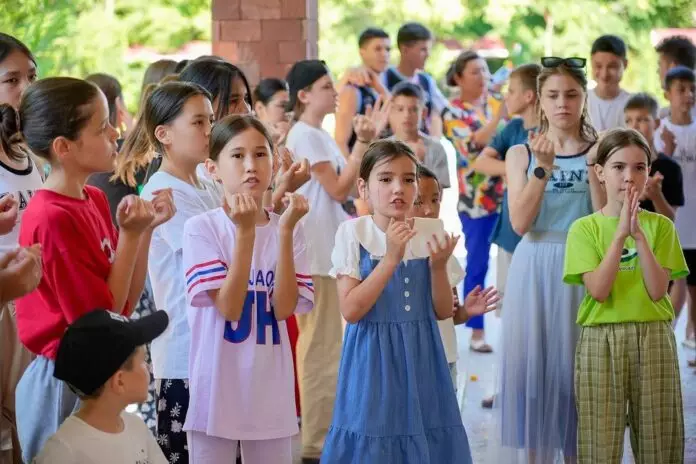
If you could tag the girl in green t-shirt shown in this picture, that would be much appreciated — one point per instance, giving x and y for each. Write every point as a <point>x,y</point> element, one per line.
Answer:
<point>626,352</point>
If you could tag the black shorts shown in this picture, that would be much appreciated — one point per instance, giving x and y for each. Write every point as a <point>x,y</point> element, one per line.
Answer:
<point>690,257</point>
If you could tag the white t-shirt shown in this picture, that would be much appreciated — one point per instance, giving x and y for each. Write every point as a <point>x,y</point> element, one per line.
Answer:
<point>241,379</point>
<point>363,231</point>
<point>325,214</point>
<point>607,114</point>
<point>77,442</point>
<point>22,184</point>
<point>685,155</point>
<point>171,349</point>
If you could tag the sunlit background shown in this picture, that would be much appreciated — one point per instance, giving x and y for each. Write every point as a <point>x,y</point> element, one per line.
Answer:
<point>120,37</point>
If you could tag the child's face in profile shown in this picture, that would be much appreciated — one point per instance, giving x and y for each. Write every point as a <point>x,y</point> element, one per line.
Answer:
<point>322,96</point>
<point>681,96</point>
<point>95,147</point>
<point>427,204</point>
<point>628,165</point>
<point>391,188</point>
<point>187,137</point>
<point>244,165</point>
<point>641,119</point>
<point>135,381</point>
<point>238,99</point>
<point>516,97</point>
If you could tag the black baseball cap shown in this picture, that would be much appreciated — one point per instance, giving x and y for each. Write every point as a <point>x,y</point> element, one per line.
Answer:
<point>96,345</point>
<point>303,74</point>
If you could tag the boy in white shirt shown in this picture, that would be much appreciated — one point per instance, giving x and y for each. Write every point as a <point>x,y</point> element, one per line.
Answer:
<point>101,357</point>
<point>606,102</point>
<point>678,129</point>
<point>674,51</point>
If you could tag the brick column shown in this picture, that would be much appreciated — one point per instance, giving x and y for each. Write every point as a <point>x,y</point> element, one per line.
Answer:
<point>265,37</point>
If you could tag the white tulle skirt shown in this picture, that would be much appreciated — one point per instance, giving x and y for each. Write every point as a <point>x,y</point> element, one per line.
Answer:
<point>535,416</point>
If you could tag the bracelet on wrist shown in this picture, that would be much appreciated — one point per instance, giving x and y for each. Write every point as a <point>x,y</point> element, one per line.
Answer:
<point>366,142</point>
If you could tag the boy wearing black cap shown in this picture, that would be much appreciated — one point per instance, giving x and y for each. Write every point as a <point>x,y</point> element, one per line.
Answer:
<point>101,357</point>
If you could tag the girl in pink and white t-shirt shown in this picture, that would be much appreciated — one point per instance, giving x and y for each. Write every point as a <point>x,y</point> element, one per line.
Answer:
<point>246,272</point>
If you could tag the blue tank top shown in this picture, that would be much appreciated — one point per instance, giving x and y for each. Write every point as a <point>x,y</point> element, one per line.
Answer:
<point>567,193</point>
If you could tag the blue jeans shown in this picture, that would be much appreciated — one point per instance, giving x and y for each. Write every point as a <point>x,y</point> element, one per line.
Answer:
<point>43,403</point>
<point>477,241</point>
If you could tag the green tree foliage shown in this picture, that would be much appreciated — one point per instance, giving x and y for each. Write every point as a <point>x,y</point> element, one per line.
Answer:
<point>529,28</point>
<point>78,37</point>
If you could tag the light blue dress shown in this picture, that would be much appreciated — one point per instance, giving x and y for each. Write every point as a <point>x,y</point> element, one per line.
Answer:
<point>536,415</point>
<point>395,402</point>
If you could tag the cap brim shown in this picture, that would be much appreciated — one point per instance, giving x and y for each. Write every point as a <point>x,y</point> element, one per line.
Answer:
<point>149,327</point>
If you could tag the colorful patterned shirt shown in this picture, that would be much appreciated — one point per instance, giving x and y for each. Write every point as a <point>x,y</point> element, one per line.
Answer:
<point>479,195</point>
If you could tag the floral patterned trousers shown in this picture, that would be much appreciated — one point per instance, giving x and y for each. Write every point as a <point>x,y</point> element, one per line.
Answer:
<point>146,410</point>
<point>172,399</point>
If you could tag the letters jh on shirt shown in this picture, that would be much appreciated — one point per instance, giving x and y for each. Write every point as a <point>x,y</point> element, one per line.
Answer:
<point>258,302</point>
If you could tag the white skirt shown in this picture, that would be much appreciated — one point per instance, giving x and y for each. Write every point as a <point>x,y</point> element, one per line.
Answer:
<point>536,420</point>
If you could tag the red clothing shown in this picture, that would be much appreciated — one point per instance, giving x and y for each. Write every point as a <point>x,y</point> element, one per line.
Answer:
<point>78,243</point>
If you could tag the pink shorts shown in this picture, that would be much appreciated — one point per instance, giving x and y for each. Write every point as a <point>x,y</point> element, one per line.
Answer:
<point>204,449</point>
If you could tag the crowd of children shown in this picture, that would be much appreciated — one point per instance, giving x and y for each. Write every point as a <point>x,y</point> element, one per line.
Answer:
<point>226,209</point>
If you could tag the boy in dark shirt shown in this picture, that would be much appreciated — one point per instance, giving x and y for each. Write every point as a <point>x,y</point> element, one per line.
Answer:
<point>664,192</point>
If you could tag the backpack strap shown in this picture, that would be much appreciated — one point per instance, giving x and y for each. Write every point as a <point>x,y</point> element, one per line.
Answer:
<point>425,84</point>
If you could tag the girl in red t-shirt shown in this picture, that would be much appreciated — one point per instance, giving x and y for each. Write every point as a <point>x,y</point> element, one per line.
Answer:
<point>86,263</point>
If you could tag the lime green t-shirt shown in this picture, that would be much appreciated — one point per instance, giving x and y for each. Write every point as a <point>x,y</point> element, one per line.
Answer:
<point>588,240</point>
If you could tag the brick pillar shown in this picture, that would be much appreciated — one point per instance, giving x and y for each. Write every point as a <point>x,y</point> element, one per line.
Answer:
<point>265,37</point>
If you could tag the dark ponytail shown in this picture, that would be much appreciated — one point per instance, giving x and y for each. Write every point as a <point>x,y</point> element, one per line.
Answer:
<point>50,108</point>
<point>10,137</point>
<point>267,88</point>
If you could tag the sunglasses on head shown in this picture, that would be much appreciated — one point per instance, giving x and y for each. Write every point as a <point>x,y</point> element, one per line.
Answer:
<point>555,61</point>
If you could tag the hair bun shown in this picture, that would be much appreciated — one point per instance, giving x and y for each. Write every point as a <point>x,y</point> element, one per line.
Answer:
<point>8,120</point>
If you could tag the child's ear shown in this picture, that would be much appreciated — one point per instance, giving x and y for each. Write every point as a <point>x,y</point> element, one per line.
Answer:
<point>362,189</point>
<point>599,170</point>
<point>529,96</point>
<point>116,383</point>
<point>257,107</point>
<point>212,168</point>
<point>162,134</point>
<point>61,147</point>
